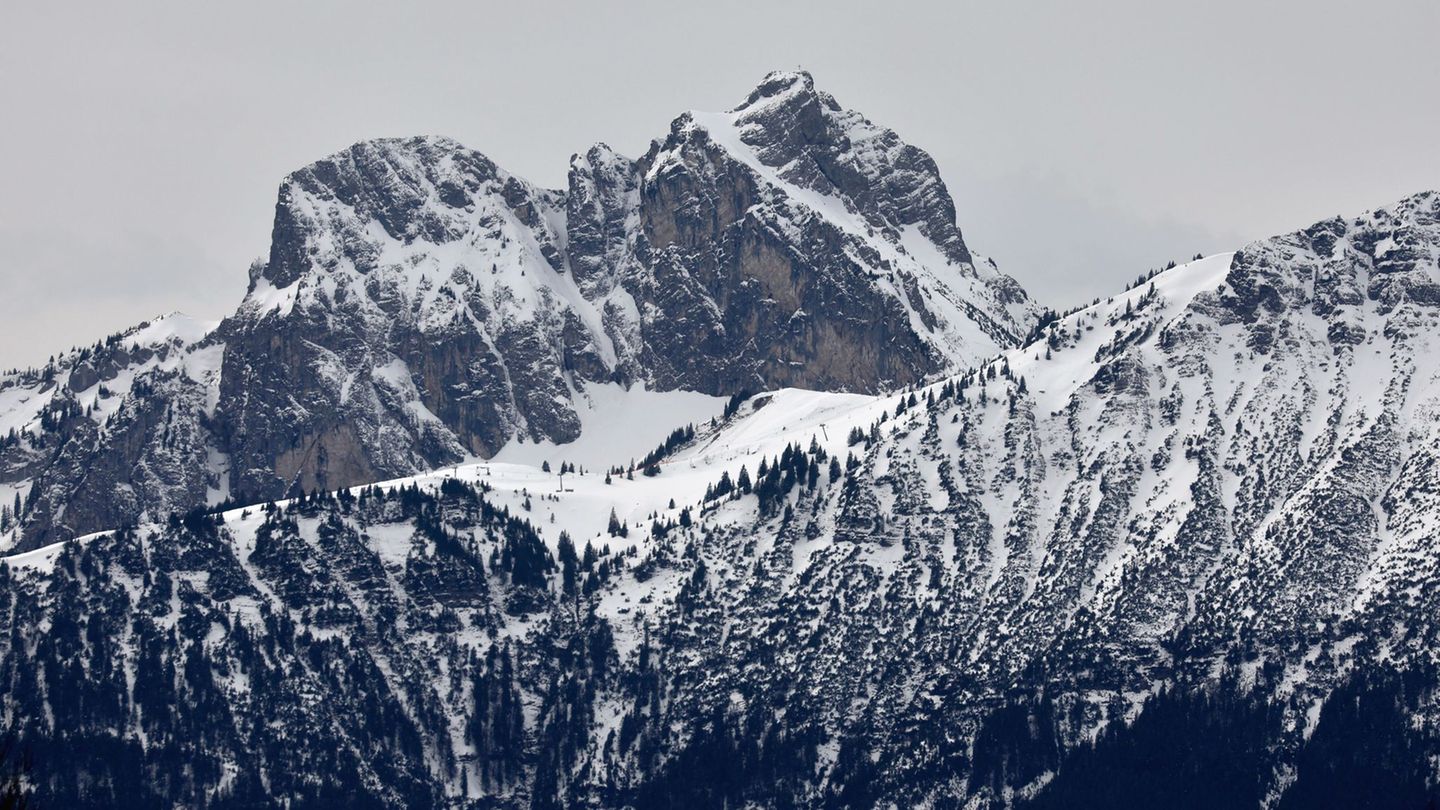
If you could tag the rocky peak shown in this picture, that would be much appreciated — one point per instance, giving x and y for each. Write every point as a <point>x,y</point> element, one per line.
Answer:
<point>342,209</point>
<point>601,197</point>
<point>791,160</point>
<point>812,141</point>
<point>420,305</point>
<point>1389,256</point>
<point>782,86</point>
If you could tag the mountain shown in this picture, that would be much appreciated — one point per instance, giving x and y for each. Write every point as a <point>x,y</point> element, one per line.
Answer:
<point>102,434</point>
<point>1178,550</point>
<point>420,306</point>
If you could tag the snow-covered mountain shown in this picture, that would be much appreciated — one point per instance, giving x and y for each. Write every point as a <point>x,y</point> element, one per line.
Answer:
<point>105,433</point>
<point>1177,550</point>
<point>420,306</point>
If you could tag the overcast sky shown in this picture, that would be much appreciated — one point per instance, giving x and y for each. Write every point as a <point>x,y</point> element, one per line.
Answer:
<point>140,150</point>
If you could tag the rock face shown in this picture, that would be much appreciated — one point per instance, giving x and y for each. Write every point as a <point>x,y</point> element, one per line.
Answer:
<point>834,244</point>
<point>1178,550</point>
<point>416,308</point>
<point>420,305</point>
<point>112,432</point>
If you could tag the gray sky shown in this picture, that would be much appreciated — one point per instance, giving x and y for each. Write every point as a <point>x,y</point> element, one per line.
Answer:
<point>141,148</point>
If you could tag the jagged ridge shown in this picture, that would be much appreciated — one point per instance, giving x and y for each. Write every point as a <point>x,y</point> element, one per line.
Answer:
<point>421,306</point>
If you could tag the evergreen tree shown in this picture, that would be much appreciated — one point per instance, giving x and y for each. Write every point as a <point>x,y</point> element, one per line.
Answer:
<point>568,563</point>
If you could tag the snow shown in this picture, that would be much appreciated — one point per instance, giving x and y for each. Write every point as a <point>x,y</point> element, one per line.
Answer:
<point>397,374</point>
<point>621,425</point>
<point>170,328</point>
<point>1057,379</point>
<point>217,464</point>
<point>266,297</point>
<point>392,542</point>
<point>583,508</point>
<point>172,337</point>
<point>41,560</point>
<point>20,407</point>
<point>618,426</point>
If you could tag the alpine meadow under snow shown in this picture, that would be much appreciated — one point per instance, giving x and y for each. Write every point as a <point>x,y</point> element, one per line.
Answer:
<point>731,476</point>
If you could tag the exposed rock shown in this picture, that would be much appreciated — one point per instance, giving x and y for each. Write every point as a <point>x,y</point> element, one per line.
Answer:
<point>420,305</point>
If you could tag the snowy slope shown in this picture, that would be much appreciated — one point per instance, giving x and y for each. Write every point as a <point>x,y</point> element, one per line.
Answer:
<point>1222,479</point>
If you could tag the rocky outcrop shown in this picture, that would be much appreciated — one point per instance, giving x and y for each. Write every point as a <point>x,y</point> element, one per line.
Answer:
<point>832,246</point>
<point>420,305</point>
<point>112,433</point>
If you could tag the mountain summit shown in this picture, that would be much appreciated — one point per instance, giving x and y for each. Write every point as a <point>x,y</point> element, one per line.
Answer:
<point>420,306</point>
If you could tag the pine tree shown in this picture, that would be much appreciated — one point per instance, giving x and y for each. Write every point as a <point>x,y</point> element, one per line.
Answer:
<point>568,563</point>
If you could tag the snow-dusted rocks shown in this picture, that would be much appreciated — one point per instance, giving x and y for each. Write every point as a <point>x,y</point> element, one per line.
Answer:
<point>112,432</point>
<point>416,309</point>
<point>1182,545</point>
<point>836,244</point>
<point>421,306</point>
<point>710,264</point>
